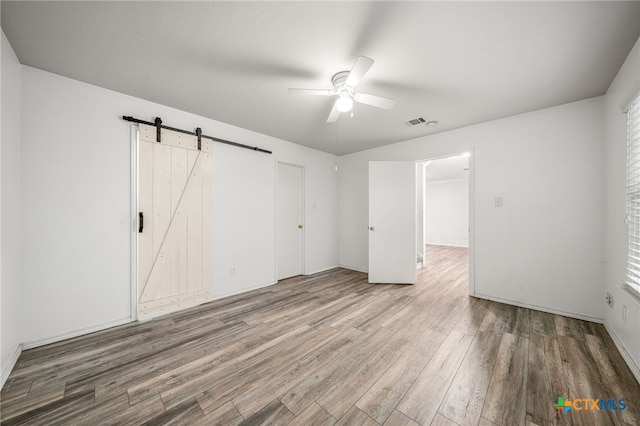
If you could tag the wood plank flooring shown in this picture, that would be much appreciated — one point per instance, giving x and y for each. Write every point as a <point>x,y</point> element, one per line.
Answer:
<point>331,349</point>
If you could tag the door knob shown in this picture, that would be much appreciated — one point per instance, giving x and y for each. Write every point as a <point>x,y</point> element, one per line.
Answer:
<point>299,226</point>
<point>372,228</point>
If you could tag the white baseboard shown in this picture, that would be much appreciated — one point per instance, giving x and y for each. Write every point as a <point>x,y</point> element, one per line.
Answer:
<point>7,369</point>
<point>623,351</point>
<point>354,268</point>
<point>233,293</point>
<point>322,270</point>
<point>41,342</point>
<point>541,308</point>
<point>244,290</point>
<point>448,245</point>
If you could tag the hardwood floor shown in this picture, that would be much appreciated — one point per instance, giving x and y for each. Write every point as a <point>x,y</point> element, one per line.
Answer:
<point>331,349</point>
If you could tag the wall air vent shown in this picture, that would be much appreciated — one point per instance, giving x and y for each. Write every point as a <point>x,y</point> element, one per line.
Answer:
<point>415,121</point>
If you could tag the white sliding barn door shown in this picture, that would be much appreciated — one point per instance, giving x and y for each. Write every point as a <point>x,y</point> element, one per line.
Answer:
<point>174,245</point>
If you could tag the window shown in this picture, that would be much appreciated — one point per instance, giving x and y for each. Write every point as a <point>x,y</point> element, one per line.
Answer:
<point>632,280</point>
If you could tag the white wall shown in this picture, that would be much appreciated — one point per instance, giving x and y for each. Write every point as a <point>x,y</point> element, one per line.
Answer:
<point>76,199</point>
<point>544,248</point>
<point>243,198</point>
<point>625,333</point>
<point>446,212</point>
<point>10,202</point>
<point>420,234</point>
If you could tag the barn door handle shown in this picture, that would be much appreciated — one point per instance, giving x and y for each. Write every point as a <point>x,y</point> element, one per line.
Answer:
<point>140,221</point>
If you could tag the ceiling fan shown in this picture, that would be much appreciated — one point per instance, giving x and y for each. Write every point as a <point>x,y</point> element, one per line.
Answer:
<point>344,85</point>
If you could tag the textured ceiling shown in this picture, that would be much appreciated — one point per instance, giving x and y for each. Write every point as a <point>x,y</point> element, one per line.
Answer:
<point>460,63</point>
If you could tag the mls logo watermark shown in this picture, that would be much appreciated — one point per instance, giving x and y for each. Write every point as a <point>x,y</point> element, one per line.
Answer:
<point>581,404</point>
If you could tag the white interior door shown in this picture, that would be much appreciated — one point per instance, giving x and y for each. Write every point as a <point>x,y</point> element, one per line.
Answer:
<point>392,222</point>
<point>174,239</point>
<point>290,195</point>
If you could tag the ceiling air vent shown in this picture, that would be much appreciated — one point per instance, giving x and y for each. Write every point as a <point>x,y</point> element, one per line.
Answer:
<point>415,121</point>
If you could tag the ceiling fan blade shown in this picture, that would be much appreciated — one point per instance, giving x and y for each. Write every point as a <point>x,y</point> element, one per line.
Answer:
<point>334,114</point>
<point>358,71</point>
<point>311,92</point>
<point>376,101</point>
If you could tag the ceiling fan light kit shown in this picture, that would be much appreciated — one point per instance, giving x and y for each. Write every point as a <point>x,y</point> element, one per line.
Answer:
<point>344,85</point>
<point>344,103</point>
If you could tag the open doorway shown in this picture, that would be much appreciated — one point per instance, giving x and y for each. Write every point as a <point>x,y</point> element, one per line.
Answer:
<point>396,221</point>
<point>444,188</point>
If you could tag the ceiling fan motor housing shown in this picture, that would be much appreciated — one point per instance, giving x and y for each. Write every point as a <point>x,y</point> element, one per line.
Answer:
<point>339,83</point>
<point>344,84</point>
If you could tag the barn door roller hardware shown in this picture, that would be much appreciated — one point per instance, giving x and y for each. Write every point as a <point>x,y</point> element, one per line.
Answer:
<point>157,123</point>
<point>199,135</point>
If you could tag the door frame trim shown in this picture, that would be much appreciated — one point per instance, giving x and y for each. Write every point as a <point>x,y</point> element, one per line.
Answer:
<point>135,144</point>
<point>303,167</point>
<point>472,209</point>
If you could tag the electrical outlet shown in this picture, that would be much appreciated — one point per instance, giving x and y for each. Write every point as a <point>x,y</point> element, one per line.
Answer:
<point>609,299</point>
<point>233,271</point>
<point>497,201</point>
